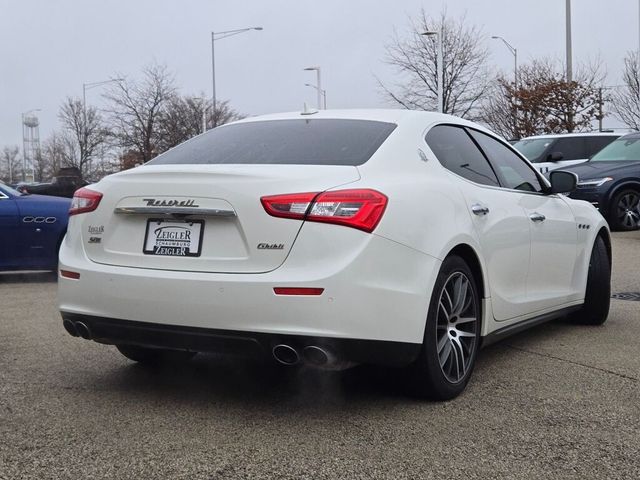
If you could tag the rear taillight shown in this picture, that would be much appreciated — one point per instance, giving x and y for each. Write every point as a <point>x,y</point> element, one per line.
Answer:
<point>84,200</point>
<point>358,208</point>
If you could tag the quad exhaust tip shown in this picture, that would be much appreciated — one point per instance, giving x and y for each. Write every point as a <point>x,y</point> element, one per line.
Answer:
<point>316,356</point>
<point>70,328</point>
<point>83,330</point>
<point>286,354</point>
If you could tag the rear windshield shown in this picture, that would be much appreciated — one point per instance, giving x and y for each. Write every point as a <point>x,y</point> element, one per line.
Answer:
<point>290,142</point>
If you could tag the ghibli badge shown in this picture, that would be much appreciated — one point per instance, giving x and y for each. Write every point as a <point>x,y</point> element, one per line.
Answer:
<point>271,246</point>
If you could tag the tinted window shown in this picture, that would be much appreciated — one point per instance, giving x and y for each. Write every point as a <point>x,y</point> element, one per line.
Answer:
<point>625,148</point>
<point>456,152</point>
<point>302,142</point>
<point>514,172</point>
<point>533,148</point>
<point>572,148</point>
<point>598,143</point>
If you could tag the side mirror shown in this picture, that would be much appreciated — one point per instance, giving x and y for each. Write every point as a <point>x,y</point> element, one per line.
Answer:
<point>555,156</point>
<point>563,182</point>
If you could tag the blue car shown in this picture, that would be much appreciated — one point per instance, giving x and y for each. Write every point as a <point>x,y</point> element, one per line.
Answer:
<point>31,229</point>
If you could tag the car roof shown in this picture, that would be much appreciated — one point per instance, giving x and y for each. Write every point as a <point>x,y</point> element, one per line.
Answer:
<point>376,114</point>
<point>631,136</point>
<point>572,135</point>
<point>416,119</point>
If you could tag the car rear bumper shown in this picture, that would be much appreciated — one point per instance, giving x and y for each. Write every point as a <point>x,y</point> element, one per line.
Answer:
<point>251,344</point>
<point>380,292</point>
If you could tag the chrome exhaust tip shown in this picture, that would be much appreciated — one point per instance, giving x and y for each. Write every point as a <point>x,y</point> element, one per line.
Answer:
<point>286,354</point>
<point>70,328</point>
<point>317,356</point>
<point>83,330</point>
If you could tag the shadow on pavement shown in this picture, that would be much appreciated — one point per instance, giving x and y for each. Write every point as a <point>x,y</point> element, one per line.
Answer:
<point>237,381</point>
<point>28,277</point>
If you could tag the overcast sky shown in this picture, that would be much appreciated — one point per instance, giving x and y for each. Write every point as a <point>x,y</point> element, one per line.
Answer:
<point>48,49</point>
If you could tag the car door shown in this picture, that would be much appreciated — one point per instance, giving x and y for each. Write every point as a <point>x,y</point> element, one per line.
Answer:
<point>551,223</point>
<point>11,241</point>
<point>498,218</point>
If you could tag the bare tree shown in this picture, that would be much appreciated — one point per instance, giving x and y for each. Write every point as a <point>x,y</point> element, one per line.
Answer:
<point>136,107</point>
<point>224,113</point>
<point>416,58</point>
<point>11,166</point>
<point>183,118</point>
<point>626,100</point>
<point>543,102</point>
<point>56,153</point>
<point>85,128</point>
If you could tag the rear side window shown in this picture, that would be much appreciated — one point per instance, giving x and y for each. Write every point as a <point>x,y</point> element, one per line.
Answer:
<point>456,152</point>
<point>598,143</point>
<point>572,148</point>
<point>289,142</point>
<point>514,172</point>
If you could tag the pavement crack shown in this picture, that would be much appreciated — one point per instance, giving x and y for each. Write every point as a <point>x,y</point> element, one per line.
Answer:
<point>546,355</point>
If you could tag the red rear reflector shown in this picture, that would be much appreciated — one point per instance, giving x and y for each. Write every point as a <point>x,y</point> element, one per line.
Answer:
<point>69,274</point>
<point>84,200</point>
<point>357,208</point>
<point>297,291</point>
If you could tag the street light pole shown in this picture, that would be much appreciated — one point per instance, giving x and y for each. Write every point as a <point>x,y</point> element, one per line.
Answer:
<point>324,94</point>
<point>219,36</point>
<point>514,52</point>
<point>87,86</point>
<point>439,67</point>
<point>568,40</point>
<point>319,85</point>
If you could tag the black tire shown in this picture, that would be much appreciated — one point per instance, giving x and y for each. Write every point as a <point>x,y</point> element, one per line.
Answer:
<point>153,356</point>
<point>624,211</point>
<point>598,294</point>
<point>431,376</point>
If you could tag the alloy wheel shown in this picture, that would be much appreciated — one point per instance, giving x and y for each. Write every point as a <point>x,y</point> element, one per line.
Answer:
<point>628,210</point>
<point>457,324</point>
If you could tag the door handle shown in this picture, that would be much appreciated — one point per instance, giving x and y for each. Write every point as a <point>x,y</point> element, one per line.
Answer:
<point>478,209</point>
<point>537,217</point>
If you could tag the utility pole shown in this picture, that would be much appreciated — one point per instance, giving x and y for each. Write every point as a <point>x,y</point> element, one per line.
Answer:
<point>600,109</point>
<point>568,33</point>
<point>439,65</point>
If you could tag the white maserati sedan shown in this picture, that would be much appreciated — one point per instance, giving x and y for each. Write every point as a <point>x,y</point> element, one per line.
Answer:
<point>333,238</point>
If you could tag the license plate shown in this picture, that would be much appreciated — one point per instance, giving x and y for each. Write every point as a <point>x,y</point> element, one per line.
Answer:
<point>173,238</point>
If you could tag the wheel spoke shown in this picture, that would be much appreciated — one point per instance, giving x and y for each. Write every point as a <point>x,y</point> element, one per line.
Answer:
<point>446,352</point>
<point>447,314</point>
<point>460,361</point>
<point>460,295</point>
<point>462,320</point>
<point>448,297</point>
<point>462,333</point>
<point>443,341</point>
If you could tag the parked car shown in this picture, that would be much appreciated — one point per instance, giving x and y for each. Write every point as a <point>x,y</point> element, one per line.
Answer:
<point>550,152</point>
<point>32,228</point>
<point>370,236</point>
<point>64,184</point>
<point>611,182</point>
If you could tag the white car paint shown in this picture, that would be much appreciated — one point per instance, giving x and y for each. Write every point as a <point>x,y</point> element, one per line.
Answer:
<point>377,285</point>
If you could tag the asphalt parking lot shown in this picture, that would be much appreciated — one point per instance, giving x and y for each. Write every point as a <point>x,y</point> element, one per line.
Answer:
<point>559,401</point>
